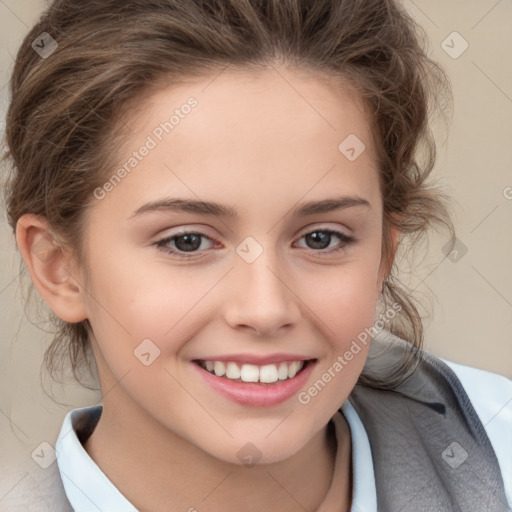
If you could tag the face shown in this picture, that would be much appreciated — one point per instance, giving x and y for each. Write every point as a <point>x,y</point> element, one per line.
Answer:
<point>263,277</point>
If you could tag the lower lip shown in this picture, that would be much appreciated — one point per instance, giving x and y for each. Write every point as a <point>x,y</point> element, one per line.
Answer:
<point>254,394</point>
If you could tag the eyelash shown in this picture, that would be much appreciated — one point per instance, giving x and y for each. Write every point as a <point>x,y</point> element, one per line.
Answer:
<point>346,240</point>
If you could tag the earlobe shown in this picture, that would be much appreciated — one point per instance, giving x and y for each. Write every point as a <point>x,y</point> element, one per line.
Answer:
<point>49,265</point>
<point>387,260</point>
<point>394,235</point>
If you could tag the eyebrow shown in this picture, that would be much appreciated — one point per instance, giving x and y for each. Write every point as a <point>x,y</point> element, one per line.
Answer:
<point>219,210</point>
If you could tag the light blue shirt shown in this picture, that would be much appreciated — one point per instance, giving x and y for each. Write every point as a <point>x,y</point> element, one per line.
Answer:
<point>88,488</point>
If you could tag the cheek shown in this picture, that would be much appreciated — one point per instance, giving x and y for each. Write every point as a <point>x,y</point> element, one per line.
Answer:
<point>345,309</point>
<point>130,302</point>
<point>344,298</point>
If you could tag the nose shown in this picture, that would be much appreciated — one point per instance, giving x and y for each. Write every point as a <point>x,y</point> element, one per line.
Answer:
<point>261,298</point>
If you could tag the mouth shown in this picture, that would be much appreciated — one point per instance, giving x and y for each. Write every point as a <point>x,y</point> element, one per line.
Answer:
<point>267,374</point>
<point>254,385</point>
<point>264,374</point>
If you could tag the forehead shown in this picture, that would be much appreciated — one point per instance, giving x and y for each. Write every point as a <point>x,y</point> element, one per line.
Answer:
<point>277,106</point>
<point>262,133</point>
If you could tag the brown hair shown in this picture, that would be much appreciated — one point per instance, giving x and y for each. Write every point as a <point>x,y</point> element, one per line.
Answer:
<point>64,110</point>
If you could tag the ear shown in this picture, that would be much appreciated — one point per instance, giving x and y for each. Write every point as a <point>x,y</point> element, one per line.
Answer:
<point>386,262</point>
<point>49,265</point>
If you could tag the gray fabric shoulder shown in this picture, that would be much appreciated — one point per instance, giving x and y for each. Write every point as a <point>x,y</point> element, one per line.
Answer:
<point>429,448</point>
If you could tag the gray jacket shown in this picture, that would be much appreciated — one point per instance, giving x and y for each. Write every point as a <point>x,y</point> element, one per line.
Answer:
<point>429,448</point>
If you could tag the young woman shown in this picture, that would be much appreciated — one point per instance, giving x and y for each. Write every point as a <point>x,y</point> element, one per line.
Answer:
<point>209,196</point>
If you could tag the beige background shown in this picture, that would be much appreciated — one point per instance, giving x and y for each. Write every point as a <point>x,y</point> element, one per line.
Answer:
<point>471,317</point>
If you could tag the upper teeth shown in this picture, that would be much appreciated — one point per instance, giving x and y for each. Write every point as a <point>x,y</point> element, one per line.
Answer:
<point>251,373</point>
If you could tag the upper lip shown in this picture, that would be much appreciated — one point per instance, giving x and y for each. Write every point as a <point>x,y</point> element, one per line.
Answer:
<point>258,360</point>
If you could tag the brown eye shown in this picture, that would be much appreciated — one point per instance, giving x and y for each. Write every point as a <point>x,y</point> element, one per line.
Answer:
<point>187,243</point>
<point>183,243</point>
<point>320,240</point>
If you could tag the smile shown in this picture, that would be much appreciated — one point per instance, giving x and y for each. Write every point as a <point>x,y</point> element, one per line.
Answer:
<point>253,385</point>
<point>266,374</point>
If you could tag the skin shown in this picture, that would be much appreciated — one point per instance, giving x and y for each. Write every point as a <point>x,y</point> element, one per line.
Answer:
<point>258,144</point>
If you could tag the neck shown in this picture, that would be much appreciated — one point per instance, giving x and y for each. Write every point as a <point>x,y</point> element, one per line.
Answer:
<point>154,470</point>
